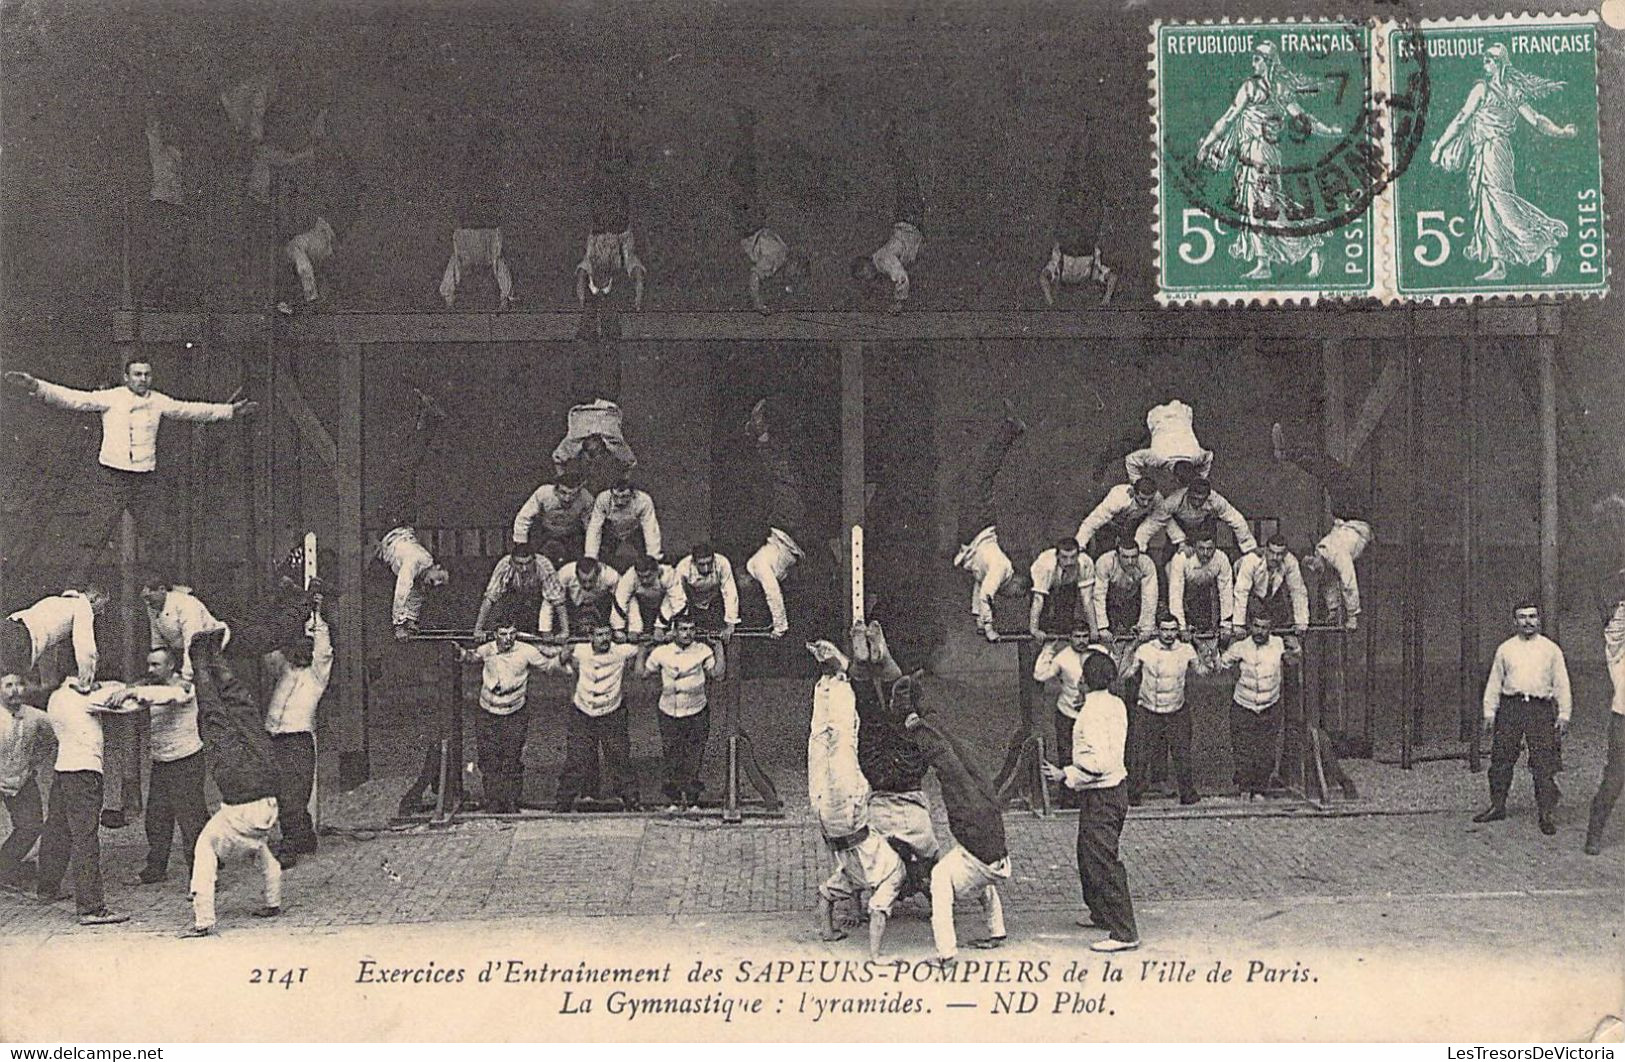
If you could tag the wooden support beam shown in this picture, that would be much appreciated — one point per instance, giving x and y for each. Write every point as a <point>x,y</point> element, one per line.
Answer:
<point>1546,348</point>
<point>347,727</point>
<point>1382,395</point>
<point>1469,677</point>
<point>852,453</point>
<point>311,428</point>
<point>654,326</point>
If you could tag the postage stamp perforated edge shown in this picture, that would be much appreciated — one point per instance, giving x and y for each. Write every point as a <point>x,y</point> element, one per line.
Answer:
<point>1197,297</point>
<point>1387,232</point>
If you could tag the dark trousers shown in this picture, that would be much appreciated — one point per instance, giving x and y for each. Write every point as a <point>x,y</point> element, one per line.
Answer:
<point>1159,735</point>
<point>682,748</point>
<point>782,504</point>
<point>112,492</point>
<point>1518,721</point>
<point>175,797</point>
<point>976,502</point>
<point>502,757</point>
<point>907,202</point>
<point>27,823</point>
<point>1253,737</point>
<point>1613,778</point>
<point>1350,500</point>
<point>70,835</point>
<point>169,274</point>
<point>1078,206</point>
<point>621,553</point>
<point>1100,871</point>
<point>296,774</point>
<point>16,649</point>
<point>584,737</point>
<point>1202,607</point>
<point>1062,754</point>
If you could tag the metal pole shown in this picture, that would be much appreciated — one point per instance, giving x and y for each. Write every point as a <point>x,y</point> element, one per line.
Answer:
<point>1546,347</point>
<point>1469,538</point>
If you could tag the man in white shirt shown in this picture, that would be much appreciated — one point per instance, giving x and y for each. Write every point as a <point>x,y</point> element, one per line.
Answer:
<point>504,719</point>
<point>299,672</point>
<point>522,584</point>
<point>1173,445</point>
<point>562,508</point>
<point>768,254</point>
<point>1611,598</point>
<point>131,415</point>
<point>28,634</point>
<point>1065,664</point>
<point>707,580</point>
<point>175,795</point>
<point>1075,258</point>
<point>589,594</point>
<point>593,427</point>
<point>1063,587</point>
<point>786,516</point>
<point>647,597</point>
<point>1339,548</point>
<point>684,665</point>
<point>1120,513</point>
<point>1186,509</point>
<point>890,263</point>
<point>1162,718</point>
<point>25,736</point>
<point>1526,698</point>
<point>610,247</point>
<point>979,551</point>
<point>175,616</point>
<point>597,721</point>
<point>623,525</point>
<point>1270,583</point>
<point>1255,705</point>
<point>72,828</point>
<point>476,245</point>
<point>1097,772</point>
<point>1125,593</point>
<point>839,795</point>
<point>1201,587</point>
<point>415,569</point>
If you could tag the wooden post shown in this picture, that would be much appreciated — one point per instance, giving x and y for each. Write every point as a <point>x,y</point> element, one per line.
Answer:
<point>1468,703</point>
<point>1546,347</point>
<point>1411,669</point>
<point>852,455</point>
<point>347,727</point>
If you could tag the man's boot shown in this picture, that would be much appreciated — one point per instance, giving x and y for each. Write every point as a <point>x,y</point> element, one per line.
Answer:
<point>1494,813</point>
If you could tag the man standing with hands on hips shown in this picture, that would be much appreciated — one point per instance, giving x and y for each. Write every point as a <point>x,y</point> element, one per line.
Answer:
<point>1526,699</point>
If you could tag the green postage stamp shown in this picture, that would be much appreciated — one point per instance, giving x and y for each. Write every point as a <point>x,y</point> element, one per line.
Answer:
<point>1451,159</point>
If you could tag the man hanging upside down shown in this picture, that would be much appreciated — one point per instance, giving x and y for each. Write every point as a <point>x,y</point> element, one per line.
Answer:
<point>979,551</point>
<point>1075,258</point>
<point>1351,528</point>
<point>892,260</point>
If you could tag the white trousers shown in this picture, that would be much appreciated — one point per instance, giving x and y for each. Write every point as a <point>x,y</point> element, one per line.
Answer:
<point>907,817</point>
<point>313,245</point>
<point>600,418</point>
<point>473,250</point>
<point>873,865</point>
<point>768,566</point>
<point>234,830</point>
<point>1340,548</point>
<point>960,874</point>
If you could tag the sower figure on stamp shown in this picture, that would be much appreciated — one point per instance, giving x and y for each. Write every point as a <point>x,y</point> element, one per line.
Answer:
<point>1526,698</point>
<point>1246,138</point>
<point>1611,598</point>
<point>785,511</point>
<point>981,858</point>
<point>1351,527</point>
<point>839,795</point>
<point>1075,259</point>
<point>769,256</point>
<point>979,551</point>
<point>890,263</point>
<point>476,243</point>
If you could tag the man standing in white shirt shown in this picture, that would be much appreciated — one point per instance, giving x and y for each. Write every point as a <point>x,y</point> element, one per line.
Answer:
<point>28,634</point>
<point>1173,445</point>
<point>610,246</point>
<point>175,795</point>
<point>1611,597</point>
<point>623,525</point>
<point>562,508</point>
<point>1120,513</point>
<point>1163,724</point>
<point>504,719</point>
<point>647,597</point>
<point>131,415</point>
<point>1075,258</point>
<point>890,263</point>
<point>300,672</point>
<point>25,734</point>
<point>1065,664</point>
<point>1096,771</point>
<point>1350,503</point>
<point>1063,587</point>
<point>598,721</point>
<point>1255,706</point>
<point>1526,698</point>
<point>1270,583</point>
<point>768,254</point>
<point>1201,587</point>
<point>786,516</point>
<point>71,831</point>
<point>684,665</point>
<point>979,551</point>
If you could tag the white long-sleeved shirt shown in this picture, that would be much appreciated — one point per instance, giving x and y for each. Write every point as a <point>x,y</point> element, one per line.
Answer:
<point>1065,664</point>
<point>623,518</point>
<point>561,511</point>
<point>578,593</point>
<point>1340,548</point>
<point>1262,671</point>
<point>629,594</point>
<point>767,253</point>
<point>1186,570</point>
<point>299,690</point>
<point>1529,667</point>
<point>836,787</point>
<point>182,618</point>
<point>896,255</point>
<point>50,619</point>
<point>1045,571</point>
<point>166,167</point>
<point>130,421</point>
<point>505,676</point>
<point>1162,675</point>
<point>174,733</point>
<point>1099,739</point>
<point>682,676</point>
<point>77,727</point>
<point>1179,516</point>
<point>1255,579</point>
<point>697,587</point>
<point>536,577</point>
<point>1173,439</point>
<point>991,569</point>
<point>598,677</point>
<point>1109,574</point>
<point>22,739</point>
<point>408,559</point>
<point>1120,505</point>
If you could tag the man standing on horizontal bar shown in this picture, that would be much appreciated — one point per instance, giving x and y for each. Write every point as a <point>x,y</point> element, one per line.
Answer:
<point>979,552</point>
<point>1526,698</point>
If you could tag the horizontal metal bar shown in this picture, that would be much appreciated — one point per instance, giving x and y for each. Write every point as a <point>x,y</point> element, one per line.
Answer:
<point>452,635</point>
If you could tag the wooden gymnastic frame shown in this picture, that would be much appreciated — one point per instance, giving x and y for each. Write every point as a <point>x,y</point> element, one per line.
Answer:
<point>350,335</point>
